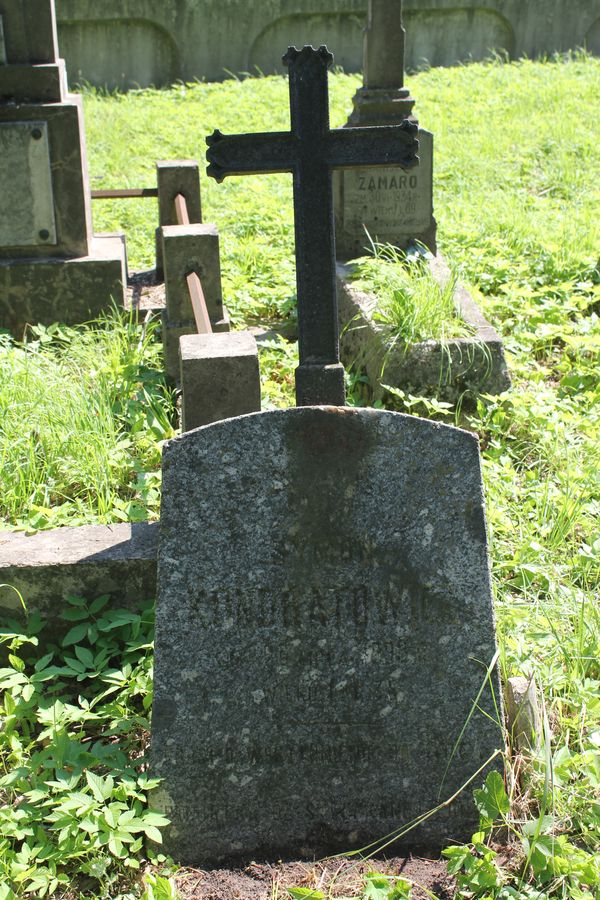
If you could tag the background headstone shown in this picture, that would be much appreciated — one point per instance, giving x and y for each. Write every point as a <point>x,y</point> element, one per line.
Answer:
<point>395,206</point>
<point>324,625</point>
<point>52,267</point>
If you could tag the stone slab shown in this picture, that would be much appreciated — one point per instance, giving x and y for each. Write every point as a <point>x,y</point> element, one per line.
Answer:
<point>220,377</point>
<point>63,290</point>
<point>70,182</point>
<point>86,561</point>
<point>324,624</point>
<point>26,198</point>
<point>393,205</point>
<point>29,31</point>
<point>33,84</point>
<point>454,370</point>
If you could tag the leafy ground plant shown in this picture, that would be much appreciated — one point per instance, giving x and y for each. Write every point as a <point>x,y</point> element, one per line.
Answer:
<point>75,723</point>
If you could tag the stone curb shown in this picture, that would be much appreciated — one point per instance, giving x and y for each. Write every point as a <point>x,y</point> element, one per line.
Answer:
<point>86,561</point>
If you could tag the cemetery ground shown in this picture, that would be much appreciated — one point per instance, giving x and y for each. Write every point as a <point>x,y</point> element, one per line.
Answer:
<point>516,198</point>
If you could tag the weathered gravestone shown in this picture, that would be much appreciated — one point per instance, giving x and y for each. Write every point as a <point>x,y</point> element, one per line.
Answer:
<point>324,626</point>
<point>311,151</point>
<point>394,205</point>
<point>51,265</point>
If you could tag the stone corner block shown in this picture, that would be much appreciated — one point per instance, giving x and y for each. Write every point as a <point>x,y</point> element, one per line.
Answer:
<point>178,176</point>
<point>172,331</point>
<point>191,248</point>
<point>220,377</point>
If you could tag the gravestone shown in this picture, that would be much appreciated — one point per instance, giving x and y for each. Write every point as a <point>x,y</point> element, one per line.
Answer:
<point>394,205</point>
<point>324,627</point>
<point>311,151</point>
<point>52,267</point>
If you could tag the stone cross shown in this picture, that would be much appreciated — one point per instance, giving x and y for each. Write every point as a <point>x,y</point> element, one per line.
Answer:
<point>384,32</point>
<point>311,150</point>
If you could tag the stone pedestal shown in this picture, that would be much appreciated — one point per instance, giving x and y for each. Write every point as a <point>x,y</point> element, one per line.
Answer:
<point>52,267</point>
<point>388,205</point>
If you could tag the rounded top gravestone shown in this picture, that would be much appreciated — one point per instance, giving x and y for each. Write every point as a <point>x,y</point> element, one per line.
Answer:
<point>324,626</point>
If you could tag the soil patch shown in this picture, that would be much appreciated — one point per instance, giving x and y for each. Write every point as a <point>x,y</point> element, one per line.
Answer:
<point>145,292</point>
<point>334,877</point>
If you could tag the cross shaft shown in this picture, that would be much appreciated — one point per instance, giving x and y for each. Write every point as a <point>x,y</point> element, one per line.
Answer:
<point>310,151</point>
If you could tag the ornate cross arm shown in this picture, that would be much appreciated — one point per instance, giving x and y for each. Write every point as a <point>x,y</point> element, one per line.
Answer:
<point>249,154</point>
<point>395,145</point>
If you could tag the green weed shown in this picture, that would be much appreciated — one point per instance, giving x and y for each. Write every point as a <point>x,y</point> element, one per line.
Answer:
<point>411,304</point>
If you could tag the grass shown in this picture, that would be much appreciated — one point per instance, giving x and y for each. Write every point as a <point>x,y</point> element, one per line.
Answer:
<point>96,410</point>
<point>516,197</point>
<point>411,304</point>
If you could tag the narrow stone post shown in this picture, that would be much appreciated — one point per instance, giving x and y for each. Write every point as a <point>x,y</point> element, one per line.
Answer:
<point>173,177</point>
<point>220,377</point>
<point>186,249</point>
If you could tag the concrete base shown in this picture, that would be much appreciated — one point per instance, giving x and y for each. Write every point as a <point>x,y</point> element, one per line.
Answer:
<point>86,561</point>
<point>220,377</point>
<point>44,291</point>
<point>172,331</point>
<point>457,369</point>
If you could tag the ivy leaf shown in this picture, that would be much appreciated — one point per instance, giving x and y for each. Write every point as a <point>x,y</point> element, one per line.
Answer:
<point>492,800</point>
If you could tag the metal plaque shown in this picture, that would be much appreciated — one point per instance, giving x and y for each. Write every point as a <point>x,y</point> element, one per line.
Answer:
<point>26,198</point>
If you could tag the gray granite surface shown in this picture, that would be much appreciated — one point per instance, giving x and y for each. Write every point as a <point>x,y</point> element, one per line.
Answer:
<point>324,624</point>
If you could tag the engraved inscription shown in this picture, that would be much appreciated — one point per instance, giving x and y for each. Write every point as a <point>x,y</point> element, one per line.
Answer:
<point>385,200</point>
<point>390,201</point>
<point>365,605</point>
<point>26,199</point>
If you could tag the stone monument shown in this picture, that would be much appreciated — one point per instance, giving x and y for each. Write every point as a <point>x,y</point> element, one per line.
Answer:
<point>324,627</point>
<point>52,267</point>
<point>393,205</point>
